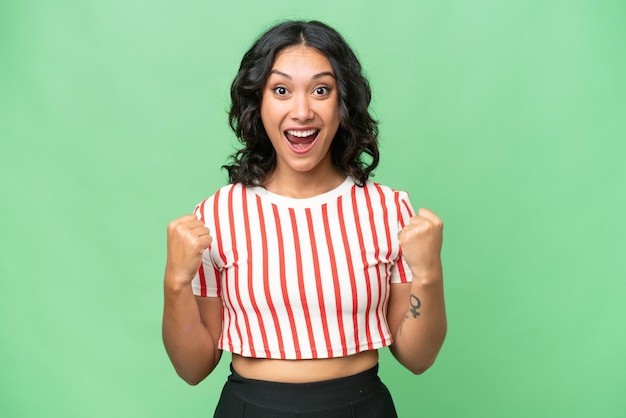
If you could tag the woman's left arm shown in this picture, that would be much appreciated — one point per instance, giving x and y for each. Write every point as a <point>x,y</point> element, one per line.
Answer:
<point>416,312</point>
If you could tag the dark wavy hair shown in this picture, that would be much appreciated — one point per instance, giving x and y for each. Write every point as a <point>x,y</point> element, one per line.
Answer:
<point>354,149</point>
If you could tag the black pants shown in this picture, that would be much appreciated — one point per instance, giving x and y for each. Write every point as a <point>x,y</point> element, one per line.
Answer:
<point>360,396</point>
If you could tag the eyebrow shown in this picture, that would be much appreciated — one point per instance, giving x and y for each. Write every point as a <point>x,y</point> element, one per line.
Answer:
<point>316,76</point>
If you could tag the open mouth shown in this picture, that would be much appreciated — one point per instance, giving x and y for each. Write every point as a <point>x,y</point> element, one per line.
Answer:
<point>301,141</point>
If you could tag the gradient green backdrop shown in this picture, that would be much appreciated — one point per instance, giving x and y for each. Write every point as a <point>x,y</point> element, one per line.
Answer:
<point>505,117</point>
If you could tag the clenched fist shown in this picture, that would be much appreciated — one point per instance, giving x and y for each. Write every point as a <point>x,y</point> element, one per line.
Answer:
<point>187,238</point>
<point>421,241</point>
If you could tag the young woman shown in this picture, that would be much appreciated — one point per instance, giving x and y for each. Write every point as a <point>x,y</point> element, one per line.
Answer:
<point>301,267</point>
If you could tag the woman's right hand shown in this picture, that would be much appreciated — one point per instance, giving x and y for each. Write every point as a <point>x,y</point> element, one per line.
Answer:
<point>187,238</point>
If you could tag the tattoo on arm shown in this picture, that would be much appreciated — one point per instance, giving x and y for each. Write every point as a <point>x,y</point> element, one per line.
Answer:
<point>415,305</point>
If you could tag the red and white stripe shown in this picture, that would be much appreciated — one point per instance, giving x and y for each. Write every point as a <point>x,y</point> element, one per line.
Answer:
<point>303,278</point>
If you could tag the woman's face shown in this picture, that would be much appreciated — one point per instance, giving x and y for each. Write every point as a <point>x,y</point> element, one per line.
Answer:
<point>300,111</point>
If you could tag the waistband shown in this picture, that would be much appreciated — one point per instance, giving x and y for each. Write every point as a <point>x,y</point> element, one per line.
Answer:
<point>302,396</point>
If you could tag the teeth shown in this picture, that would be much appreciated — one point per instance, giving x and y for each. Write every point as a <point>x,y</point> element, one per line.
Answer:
<point>302,134</point>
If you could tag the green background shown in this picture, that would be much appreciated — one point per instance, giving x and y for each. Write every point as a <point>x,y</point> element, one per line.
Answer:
<point>504,117</point>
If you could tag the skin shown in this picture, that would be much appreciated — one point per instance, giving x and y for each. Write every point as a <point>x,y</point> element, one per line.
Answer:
<point>301,94</point>
<point>416,312</point>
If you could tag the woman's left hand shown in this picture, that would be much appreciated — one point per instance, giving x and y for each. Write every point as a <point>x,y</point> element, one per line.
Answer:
<point>421,240</point>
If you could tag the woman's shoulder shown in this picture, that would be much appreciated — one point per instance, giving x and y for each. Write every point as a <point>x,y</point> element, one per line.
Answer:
<point>385,189</point>
<point>220,194</point>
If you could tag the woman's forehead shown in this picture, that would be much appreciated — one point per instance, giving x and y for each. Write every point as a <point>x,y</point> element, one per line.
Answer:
<point>299,59</point>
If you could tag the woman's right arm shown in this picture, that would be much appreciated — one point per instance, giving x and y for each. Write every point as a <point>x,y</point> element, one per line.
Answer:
<point>191,325</point>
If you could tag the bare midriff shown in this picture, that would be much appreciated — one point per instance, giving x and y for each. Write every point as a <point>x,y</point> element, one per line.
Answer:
<point>304,371</point>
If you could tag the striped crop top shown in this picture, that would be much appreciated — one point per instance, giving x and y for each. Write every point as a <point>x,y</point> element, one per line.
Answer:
<point>303,278</point>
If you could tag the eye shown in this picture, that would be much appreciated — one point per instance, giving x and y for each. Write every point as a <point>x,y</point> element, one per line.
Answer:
<point>322,91</point>
<point>281,91</point>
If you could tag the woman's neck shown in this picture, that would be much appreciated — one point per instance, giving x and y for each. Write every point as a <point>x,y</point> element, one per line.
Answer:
<point>303,185</point>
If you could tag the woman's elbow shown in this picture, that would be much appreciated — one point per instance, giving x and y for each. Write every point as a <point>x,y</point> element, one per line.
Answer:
<point>191,378</point>
<point>415,364</point>
<point>192,382</point>
<point>419,368</point>
<point>195,376</point>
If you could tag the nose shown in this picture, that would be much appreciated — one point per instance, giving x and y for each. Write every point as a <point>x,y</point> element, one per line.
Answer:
<point>302,110</point>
